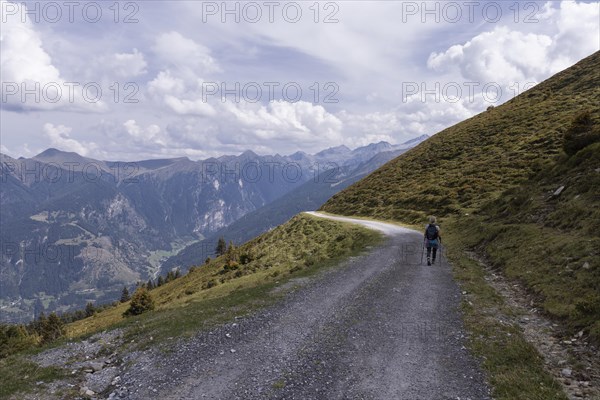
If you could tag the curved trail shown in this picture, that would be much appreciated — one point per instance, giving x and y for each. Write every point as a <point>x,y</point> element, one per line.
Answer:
<point>387,228</point>
<point>380,326</point>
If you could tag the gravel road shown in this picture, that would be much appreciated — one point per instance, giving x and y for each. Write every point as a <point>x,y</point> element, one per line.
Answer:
<point>379,326</point>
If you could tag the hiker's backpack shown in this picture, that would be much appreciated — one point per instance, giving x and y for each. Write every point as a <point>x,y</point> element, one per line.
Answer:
<point>431,233</point>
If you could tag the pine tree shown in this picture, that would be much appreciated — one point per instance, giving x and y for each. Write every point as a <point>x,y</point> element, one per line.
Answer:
<point>207,260</point>
<point>231,254</point>
<point>177,273</point>
<point>125,295</point>
<point>90,309</point>
<point>160,281</point>
<point>141,301</point>
<point>221,246</point>
<point>39,325</point>
<point>150,284</point>
<point>170,276</point>
<point>54,328</point>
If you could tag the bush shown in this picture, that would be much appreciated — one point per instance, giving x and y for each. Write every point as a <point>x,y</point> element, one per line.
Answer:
<point>246,258</point>
<point>141,301</point>
<point>15,338</point>
<point>209,284</point>
<point>581,133</point>
<point>48,328</point>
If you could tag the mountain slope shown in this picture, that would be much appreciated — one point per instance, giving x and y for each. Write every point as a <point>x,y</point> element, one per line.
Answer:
<point>463,166</point>
<point>494,178</point>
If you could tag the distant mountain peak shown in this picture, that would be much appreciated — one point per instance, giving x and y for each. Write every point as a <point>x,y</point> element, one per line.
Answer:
<point>53,152</point>
<point>342,149</point>
<point>299,155</point>
<point>249,154</point>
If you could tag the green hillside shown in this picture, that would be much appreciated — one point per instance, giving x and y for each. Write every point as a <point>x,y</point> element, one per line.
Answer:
<point>474,161</point>
<point>238,281</point>
<point>491,179</point>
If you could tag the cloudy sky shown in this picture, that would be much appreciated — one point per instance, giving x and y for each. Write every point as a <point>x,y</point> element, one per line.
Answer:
<point>147,79</point>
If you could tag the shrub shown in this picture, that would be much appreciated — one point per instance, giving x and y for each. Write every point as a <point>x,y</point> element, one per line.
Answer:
<point>209,284</point>
<point>246,258</point>
<point>141,301</point>
<point>581,133</point>
<point>14,338</point>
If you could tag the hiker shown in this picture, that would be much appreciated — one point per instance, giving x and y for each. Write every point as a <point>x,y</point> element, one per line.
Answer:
<point>432,239</point>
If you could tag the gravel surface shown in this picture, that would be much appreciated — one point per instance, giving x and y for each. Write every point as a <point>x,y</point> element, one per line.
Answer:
<point>380,326</point>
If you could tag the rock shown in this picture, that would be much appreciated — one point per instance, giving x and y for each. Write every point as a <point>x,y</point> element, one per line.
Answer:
<point>101,380</point>
<point>586,265</point>
<point>116,381</point>
<point>232,350</point>
<point>96,366</point>
<point>558,191</point>
<point>566,372</point>
<point>83,390</point>
<point>89,393</point>
<point>562,362</point>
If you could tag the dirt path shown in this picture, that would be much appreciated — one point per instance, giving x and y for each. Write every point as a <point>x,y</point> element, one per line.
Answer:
<point>380,326</point>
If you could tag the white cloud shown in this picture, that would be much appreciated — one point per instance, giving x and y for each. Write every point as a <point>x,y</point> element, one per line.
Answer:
<point>150,136</point>
<point>507,56</point>
<point>179,85</point>
<point>500,55</point>
<point>189,107</point>
<point>578,33</point>
<point>179,97</point>
<point>60,137</point>
<point>126,65</point>
<point>300,123</point>
<point>185,54</point>
<point>26,66</point>
<point>23,56</point>
<point>165,83</point>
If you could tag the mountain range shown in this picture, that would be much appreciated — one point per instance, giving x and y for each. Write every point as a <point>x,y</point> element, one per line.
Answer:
<point>76,229</point>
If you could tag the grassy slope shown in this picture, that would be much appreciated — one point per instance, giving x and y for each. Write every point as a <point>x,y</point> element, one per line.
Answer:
<point>490,178</point>
<point>550,244</point>
<point>299,247</point>
<point>469,163</point>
